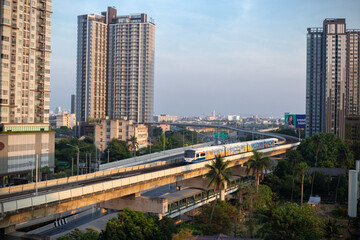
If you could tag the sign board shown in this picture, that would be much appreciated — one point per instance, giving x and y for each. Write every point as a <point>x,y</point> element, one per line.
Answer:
<point>221,135</point>
<point>293,121</point>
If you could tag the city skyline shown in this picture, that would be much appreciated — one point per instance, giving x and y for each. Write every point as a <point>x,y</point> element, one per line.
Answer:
<point>202,44</point>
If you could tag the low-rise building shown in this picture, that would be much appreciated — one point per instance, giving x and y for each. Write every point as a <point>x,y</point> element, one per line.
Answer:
<point>107,129</point>
<point>19,146</point>
<point>165,118</point>
<point>67,120</point>
<point>164,127</point>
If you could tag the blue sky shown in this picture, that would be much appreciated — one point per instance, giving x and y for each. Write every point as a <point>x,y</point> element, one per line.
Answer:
<point>236,57</point>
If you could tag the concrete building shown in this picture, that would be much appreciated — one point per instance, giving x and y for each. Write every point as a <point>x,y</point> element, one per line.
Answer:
<point>73,103</point>
<point>25,31</point>
<point>332,77</point>
<point>25,61</point>
<point>66,120</point>
<point>115,67</point>
<point>165,118</point>
<point>131,68</point>
<point>164,127</point>
<point>107,129</point>
<point>18,151</point>
<point>91,67</point>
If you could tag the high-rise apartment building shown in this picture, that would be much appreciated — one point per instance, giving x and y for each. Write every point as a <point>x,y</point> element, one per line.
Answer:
<point>91,67</point>
<point>25,61</point>
<point>116,63</point>
<point>25,31</point>
<point>73,103</point>
<point>331,79</point>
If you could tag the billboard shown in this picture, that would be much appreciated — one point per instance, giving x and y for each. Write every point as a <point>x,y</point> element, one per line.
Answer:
<point>293,121</point>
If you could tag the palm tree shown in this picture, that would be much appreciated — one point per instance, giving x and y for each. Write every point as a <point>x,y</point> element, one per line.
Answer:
<point>300,170</point>
<point>293,156</point>
<point>257,164</point>
<point>218,174</point>
<point>344,157</point>
<point>133,144</point>
<point>317,146</point>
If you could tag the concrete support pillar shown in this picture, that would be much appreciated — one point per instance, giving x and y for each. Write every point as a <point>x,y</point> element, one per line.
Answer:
<point>222,192</point>
<point>7,230</point>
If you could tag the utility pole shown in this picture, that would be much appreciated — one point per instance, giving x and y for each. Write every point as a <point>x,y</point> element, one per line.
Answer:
<point>77,161</point>
<point>90,162</point>
<point>108,155</point>
<point>86,163</point>
<point>164,142</point>
<point>72,166</point>
<point>36,173</point>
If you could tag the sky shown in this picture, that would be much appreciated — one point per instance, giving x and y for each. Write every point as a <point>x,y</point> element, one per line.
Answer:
<point>233,56</point>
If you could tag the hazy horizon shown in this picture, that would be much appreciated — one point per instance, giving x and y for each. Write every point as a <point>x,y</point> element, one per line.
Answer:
<point>235,57</point>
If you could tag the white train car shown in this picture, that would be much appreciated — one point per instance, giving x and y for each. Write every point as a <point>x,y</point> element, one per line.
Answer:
<point>207,153</point>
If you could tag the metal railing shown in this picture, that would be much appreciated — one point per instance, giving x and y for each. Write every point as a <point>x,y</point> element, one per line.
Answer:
<point>53,197</point>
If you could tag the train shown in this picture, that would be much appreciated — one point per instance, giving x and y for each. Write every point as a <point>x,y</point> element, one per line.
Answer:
<point>207,153</point>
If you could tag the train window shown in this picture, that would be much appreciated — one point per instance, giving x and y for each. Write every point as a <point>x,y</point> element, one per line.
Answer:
<point>189,153</point>
<point>203,154</point>
<point>197,155</point>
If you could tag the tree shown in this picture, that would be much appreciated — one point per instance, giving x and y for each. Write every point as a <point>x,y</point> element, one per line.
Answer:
<point>223,218</point>
<point>257,164</point>
<point>133,144</point>
<point>331,229</point>
<point>289,221</point>
<point>344,158</point>
<point>135,226</point>
<point>118,150</point>
<point>294,157</point>
<point>218,174</point>
<point>316,146</point>
<point>76,234</point>
<point>300,170</point>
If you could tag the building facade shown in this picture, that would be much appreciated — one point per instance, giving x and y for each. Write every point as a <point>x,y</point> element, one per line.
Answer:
<point>115,67</point>
<point>66,120</point>
<point>91,67</point>
<point>73,103</point>
<point>123,130</point>
<point>25,35</point>
<point>332,77</point>
<point>25,61</point>
<point>165,118</point>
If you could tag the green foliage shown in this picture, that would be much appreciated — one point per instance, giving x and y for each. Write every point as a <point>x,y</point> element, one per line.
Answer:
<point>76,234</point>
<point>289,221</point>
<point>257,164</point>
<point>118,150</point>
<point>219,173</point>
<point>340,212</point>
<point>258,199</point>
<point>157,131</point>
<point>290,132</point>
<point>331,150</point>
<point>64,152</point>
<point>135,226</point>
<point>63,130</point>
<point>331,229</point>
<point>223,218</point>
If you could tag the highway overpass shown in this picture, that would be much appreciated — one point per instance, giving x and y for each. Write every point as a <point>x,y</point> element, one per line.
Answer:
<point>20,205</point>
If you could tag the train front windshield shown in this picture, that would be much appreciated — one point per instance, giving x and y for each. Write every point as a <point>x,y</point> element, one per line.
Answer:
<point>189,154</point>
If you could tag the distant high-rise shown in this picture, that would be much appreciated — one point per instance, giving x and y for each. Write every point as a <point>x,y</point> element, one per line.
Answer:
<point>91,67</point>
<point>73,103</point>
<point>115,67</point>
<point>332,77</point>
